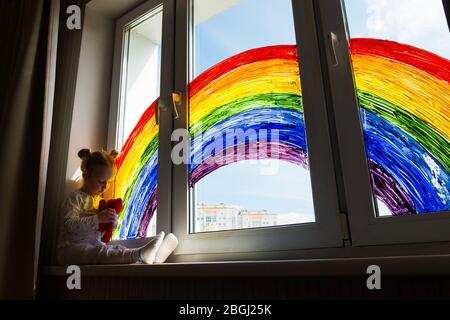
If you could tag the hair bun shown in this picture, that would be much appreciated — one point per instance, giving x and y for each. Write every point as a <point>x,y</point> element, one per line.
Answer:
<point>114,154</point>
<point>84,153</point>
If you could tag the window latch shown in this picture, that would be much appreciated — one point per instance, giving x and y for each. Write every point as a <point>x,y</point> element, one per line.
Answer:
<point>176,102</point>
<point>334,43</point>
<point>157,107</point>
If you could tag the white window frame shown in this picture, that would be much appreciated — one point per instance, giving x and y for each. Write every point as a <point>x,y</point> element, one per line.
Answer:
<point>165,117</point>
<point>365,228</point>
<point>326,232</point>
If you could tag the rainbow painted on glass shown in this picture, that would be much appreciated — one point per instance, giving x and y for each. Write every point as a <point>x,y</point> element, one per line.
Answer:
<point>404,94</point>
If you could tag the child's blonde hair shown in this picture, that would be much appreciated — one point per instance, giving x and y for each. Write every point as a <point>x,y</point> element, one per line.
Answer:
<point>97,158</point>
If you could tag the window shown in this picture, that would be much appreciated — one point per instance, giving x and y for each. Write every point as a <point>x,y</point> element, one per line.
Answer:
<point>136,132</point>
<point>246,118</point>
<point>398,57</point>
<point>391,101</point>
<point>251,110</point>
<point>310,124</point>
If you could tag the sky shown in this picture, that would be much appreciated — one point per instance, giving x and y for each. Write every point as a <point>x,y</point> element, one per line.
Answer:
<point>420,23</point>
<point>257,23</point>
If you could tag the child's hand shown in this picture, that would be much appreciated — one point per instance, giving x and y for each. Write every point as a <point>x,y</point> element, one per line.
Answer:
<point>107,216</point>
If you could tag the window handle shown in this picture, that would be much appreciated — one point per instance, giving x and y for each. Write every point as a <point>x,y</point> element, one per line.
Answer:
<point>334,42</point>
<point>176,102</point>
<point>158,105</point>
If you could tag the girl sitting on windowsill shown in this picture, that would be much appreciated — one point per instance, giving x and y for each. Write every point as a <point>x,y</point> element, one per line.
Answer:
<point>80,240</point>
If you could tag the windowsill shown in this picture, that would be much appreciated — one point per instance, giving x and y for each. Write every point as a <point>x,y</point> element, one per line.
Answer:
<point>392,266</point>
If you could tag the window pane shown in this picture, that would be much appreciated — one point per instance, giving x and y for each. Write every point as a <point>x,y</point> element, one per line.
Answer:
<point>249,160</point>
<point>138,133</point>
<point>400,51</point>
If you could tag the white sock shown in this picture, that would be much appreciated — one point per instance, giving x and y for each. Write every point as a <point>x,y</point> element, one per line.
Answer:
<point>169,244</point>
<point>148,252</point>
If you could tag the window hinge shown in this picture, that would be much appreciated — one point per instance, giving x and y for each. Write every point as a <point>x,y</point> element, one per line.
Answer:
<point>345,230</point>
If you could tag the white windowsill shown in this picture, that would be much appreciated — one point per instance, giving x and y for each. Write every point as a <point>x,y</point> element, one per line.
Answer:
<point>393,266</point>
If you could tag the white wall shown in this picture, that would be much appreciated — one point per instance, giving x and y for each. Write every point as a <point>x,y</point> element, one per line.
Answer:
<point>143,80</point>
<point>91,106</point>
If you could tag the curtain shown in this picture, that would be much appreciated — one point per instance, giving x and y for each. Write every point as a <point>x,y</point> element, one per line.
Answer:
<point>24,81</point>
